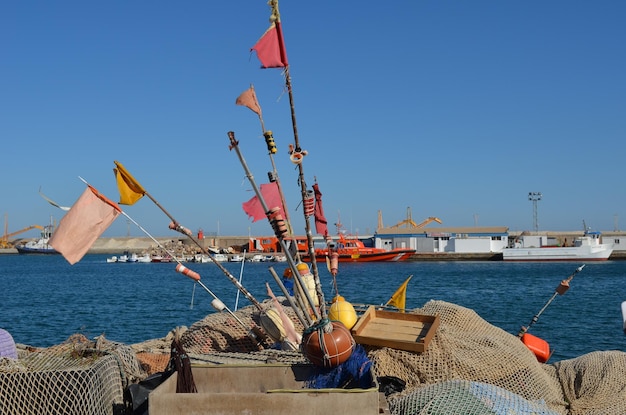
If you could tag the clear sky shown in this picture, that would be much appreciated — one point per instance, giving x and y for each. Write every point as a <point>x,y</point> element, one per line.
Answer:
<point>456,109</point>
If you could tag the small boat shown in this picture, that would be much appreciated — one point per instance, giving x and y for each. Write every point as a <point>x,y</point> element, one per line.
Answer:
<point>144,258</point>
<point>39,246</point>
<point>352,249</point>
<point>132,257</point>
<point>220,257</point>
<point>257,258</point>
<point>122,258</point>
<point>585,248</point>
<point>236,258</point>
<point>159,258</point>
<point>112,259</point>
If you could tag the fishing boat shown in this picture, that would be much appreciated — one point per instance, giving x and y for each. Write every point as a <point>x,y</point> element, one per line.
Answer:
<point>352,249</point>
<point>39,246</point>
<point>145,258</point>
<point>585,248</point>
<point>236,258</point>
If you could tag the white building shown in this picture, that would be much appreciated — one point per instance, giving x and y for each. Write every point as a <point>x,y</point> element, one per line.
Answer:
<point>453,240</point>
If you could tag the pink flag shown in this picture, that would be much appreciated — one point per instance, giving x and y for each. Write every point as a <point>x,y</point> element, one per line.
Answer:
<point>270,49</point>
<point>90,215</point>
<point>271,196</point>
<point>321,224</point>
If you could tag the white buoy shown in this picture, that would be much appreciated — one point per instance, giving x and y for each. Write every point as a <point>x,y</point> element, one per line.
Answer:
<point>218,304</point>
<point>624,316</point>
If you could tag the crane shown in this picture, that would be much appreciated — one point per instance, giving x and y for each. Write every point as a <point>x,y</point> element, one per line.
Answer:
<point>408,222</point>
<point>4,242</point>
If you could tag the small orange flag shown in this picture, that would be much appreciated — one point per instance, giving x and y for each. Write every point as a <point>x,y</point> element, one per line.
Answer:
<point>248,99</point>
<point>130,189</point>
<point>398,299</point>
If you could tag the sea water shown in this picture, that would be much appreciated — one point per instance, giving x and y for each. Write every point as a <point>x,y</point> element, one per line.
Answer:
<point>45,300</point>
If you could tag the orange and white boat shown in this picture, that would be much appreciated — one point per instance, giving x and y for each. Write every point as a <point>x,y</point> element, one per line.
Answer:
<point>352,249</point>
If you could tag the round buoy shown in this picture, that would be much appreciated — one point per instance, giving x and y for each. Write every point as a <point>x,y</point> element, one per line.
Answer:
<point>343,311</point>
<point>328,349</point>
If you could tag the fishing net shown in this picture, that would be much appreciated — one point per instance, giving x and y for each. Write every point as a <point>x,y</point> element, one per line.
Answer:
<point>469,367</point>
<point>472,367</point>
<point>594,383</point>
<point>75,377</point>
<point>221,332</point>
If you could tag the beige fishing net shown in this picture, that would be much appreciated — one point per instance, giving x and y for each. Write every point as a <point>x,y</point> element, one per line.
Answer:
<point>469,367</point>
<point>76,377</point>
<point>473,367</point>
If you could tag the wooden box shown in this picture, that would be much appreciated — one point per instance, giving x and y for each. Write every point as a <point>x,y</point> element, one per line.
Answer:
<point>272,389</point>
<point>404,331</point>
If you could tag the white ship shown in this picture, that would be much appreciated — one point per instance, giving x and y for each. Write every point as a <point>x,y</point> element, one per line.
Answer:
<point>585,248</point>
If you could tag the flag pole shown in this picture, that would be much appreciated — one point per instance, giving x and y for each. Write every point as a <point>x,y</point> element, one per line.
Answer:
<point>179,228</point>
<point>217,303</point>
<point>297,148</point>
<point>271,149</point>
<point>275,220</point>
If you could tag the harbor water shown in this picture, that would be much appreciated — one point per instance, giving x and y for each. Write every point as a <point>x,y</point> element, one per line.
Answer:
<point>45,300</point>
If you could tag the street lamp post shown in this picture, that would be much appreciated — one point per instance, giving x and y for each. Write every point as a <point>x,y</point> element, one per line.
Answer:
<point>535,197</point>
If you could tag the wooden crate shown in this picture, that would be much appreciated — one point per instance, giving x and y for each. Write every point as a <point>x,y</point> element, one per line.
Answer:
<point>272,389</point>
<point>404,331</point>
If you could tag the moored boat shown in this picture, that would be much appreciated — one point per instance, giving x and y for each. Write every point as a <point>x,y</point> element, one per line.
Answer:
<point>40,246</point>
<point>352,249</point>
<point>585,248</point>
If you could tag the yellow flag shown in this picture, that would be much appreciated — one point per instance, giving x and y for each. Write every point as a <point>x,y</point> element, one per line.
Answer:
<point>130,189</point>
<point>398,299</point>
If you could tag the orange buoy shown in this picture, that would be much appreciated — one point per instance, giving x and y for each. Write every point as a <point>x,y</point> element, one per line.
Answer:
<point>328,349</point>
<point>539,347</point>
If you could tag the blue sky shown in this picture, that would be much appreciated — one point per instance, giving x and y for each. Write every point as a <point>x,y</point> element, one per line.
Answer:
<point>455,109</point>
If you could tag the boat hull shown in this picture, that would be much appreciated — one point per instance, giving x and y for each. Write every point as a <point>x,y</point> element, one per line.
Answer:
<point>40,251</point>
<point>600,252</point>
<point>396,255</point>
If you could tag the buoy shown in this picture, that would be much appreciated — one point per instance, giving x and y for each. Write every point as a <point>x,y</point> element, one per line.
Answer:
<point>273,325</point>
<point>218,304</point>
<point>309,283</point>
<point>343,311</point>
<point>538,346</point>
<point>328,349</point>
<point>187,272</point>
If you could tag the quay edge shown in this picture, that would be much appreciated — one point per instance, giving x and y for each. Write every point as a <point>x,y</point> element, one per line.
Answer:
<point>116,245</point>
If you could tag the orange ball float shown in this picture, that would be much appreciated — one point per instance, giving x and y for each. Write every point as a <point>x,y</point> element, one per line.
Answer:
<point>328,349</point>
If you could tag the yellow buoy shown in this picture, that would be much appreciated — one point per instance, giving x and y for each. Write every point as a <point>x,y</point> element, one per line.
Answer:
<point>342,311</point>
<point>273,325</point>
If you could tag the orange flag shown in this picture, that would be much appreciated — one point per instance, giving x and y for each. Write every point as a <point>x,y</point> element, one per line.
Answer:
<point>130,189</point>
<point>248,99</point>
<point>270,48</point>
<point>398,299</point>
<point>87,219</point>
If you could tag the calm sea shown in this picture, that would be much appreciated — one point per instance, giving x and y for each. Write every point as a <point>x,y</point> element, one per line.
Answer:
<point>45,300</point>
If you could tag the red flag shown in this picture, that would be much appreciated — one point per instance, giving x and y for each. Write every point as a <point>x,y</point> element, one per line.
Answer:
<point>270,49</point>
<point>90,215</point>
<point>248,99</point>
<point>321,224</point>
<point>271,196</point>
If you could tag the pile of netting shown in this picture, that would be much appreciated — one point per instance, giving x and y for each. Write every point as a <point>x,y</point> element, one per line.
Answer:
<point>471,366</point>
<point>78,376</point>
